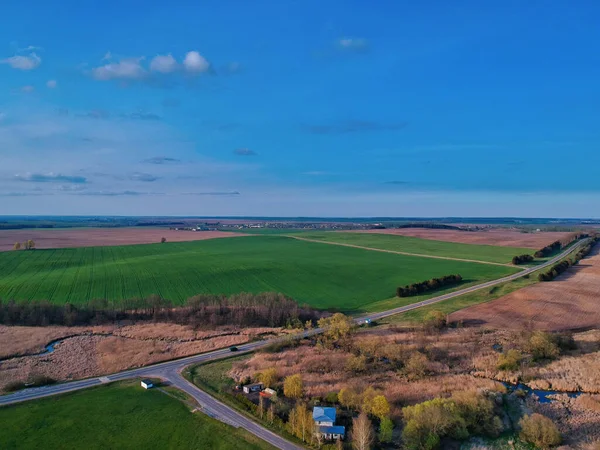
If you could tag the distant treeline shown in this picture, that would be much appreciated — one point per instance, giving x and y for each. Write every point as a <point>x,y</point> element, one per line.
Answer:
<point>201,311</point>
<point>436,226</point>
<point>429,285</point>
<point>558,245</point>
<point>522,259</point>
<point>562,266</point>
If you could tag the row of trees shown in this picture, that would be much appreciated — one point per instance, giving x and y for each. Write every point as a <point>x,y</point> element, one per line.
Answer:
<point>429,285</point>
<point>27,245</point>
<point>522,259</point>
<point>200,311</point>
<point>563,266</point>
<point>548,250</point>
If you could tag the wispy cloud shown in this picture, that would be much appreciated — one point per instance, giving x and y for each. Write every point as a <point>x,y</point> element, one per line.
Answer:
<point>230,193</point>
<point>244,152</point>
<point>140,115</point>
<point>145,177</point>
<point>356,45</point>
<point>354,126</point>
<point>51,178</point>
<point>118,193</point>
<point>163,64</point>
<point>125,68</point>
<point>23,62</point>
<point>51,84</point>
<point>161,160</point>
<point>28,89</point>
<point>397,182</point>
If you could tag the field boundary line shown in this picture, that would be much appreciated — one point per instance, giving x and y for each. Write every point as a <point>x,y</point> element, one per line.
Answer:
<point>404,253</point>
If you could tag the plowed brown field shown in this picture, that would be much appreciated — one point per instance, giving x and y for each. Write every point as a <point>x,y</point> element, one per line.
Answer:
<point>506,238</point>
<point>571,301</point>
<point>93,237</point>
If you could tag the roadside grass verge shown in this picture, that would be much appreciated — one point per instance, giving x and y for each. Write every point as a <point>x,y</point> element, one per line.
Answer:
<point>119,415</point>
<point>212,377</point>
<point>416,316</point>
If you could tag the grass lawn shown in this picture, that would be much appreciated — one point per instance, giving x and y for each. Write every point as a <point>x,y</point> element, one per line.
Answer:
<point>120,415</point>
<point>489,253</point>
<point>324,276</point>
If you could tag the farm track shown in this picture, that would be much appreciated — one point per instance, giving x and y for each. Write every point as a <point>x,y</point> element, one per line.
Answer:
<point>403,253</point>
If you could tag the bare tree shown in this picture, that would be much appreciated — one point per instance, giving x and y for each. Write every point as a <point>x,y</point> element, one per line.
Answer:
<point>363,436</point>
<point>163,240</point>
<point>17,246</point>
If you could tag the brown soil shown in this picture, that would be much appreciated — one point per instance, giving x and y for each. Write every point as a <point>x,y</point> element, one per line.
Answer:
<point>495,236</point>
<point>91,237</point>
<point>571,301</point>
<point>95,351</point>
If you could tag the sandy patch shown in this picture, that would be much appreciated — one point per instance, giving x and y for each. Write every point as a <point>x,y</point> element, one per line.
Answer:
<point>92,237</point>
<point>571,301</point>
<point>501,237</point>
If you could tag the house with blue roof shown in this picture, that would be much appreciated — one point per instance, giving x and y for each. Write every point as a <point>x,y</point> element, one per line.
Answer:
<point>324,418</point>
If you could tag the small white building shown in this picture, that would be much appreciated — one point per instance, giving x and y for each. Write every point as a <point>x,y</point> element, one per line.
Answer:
<point>147,384</point>
<point>256,387</point>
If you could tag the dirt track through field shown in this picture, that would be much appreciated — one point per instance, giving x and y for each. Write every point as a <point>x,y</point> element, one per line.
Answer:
<point>404,253</point>
<point>571,301</point>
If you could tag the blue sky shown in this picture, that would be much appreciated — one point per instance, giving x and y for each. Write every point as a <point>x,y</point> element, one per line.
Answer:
<point>336,108</point>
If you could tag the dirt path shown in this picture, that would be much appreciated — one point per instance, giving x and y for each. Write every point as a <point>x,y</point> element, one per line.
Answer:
<point>404,253</point>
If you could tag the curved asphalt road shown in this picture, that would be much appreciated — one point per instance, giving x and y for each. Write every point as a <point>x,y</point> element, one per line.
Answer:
<point>171,370</point>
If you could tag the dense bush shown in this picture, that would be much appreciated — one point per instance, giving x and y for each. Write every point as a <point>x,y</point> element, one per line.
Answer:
<point>510,361</point>
<point>435,320</point>
<point>539,431</point>
<point>429,285</point>
<point>201,311</point>
<point>542,345</point>
<point>522,259</point>
<point>458,417</point>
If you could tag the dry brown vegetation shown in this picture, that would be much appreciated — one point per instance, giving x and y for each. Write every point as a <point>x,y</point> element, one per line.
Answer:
<point>571,301</point>
<point>452,360</point>
<point>494,236</point>
<point>93,237</point>
<point>94,351</point>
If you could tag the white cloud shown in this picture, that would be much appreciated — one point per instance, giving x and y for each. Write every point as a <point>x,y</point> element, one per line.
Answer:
<point>356,44</point>
<point>195,62</point>
<point>27,89</point>
<point>163,64</point>
<point>51,84</point>
<point>23,62</point>
<point>126,68</point>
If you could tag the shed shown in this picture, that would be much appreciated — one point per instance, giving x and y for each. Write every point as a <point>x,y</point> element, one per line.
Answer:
<point>253,388</point>
<point>147,384</point>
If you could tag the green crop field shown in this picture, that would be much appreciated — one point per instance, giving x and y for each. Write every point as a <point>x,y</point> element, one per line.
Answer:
<point>116,416</point>
<point>321,275</point>
<point>489,253</point>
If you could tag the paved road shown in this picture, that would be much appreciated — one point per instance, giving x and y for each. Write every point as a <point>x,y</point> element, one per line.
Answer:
<point>171,370</point>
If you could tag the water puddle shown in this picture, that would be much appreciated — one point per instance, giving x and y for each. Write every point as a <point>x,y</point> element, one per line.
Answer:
<point>543,396</point>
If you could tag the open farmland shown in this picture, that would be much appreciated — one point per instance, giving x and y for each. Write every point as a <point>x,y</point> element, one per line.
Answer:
<point>93,237</point>
<point>571,301</point>
<point>324,276</point>
<point>116,416</point>
<point>495,236</point>
<point>486,253</point>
